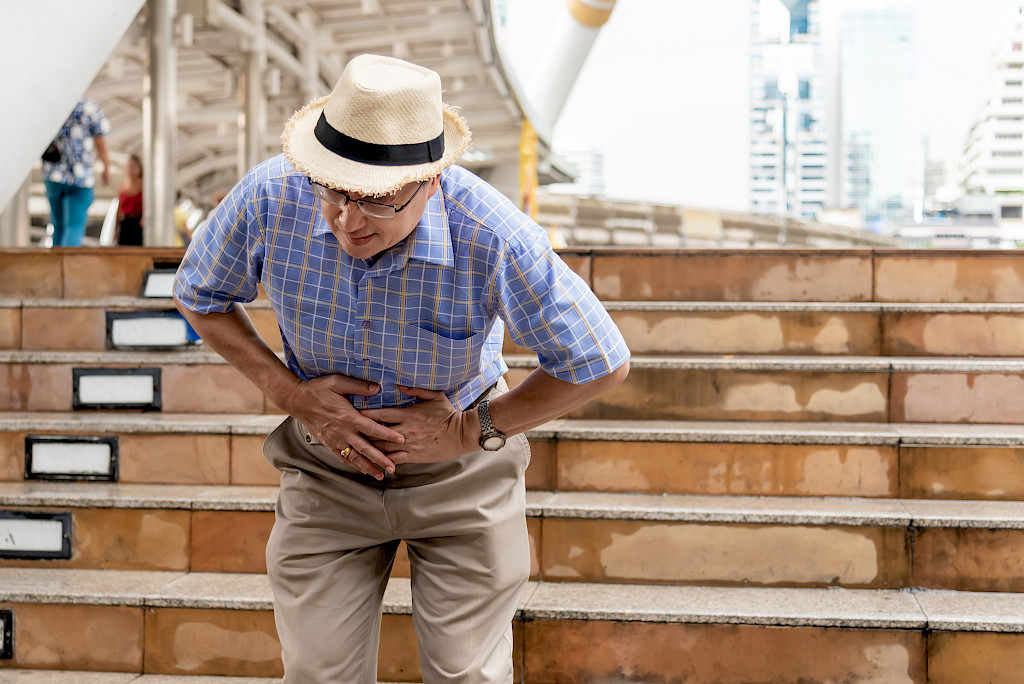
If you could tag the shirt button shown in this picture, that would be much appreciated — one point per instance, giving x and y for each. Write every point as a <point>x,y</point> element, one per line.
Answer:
<point>367,324</point>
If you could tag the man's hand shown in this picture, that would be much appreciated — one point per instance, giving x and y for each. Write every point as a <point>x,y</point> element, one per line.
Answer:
<point>434,430</point>
<point>322,407</point>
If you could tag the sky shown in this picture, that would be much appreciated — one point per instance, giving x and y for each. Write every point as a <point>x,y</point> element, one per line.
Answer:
<point>664,92</point>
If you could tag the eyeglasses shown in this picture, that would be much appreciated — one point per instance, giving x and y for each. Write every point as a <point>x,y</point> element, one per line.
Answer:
<point>373,209</point>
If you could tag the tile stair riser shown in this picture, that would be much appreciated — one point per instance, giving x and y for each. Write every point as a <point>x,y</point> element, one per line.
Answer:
<point>811,395</point>
<point>28,325</point>
<point>861,468</point>
<point>727,275</point>
<point>772,388</point>
<point>562,634</point>
<point>615,548</point>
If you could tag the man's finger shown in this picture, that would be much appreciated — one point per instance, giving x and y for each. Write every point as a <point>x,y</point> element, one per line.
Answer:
<point>384,415</point>
<point>420,393</point>
<point>342,384</point>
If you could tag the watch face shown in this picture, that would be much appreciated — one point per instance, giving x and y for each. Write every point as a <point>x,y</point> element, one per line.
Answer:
<point>493,443</point>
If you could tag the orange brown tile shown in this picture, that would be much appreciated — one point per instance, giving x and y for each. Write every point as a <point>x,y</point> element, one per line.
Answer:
<point>957,397</point>
<point>689,553</point>
<point>64,329</point>
<point>242,643</point>
<point>174,459</point>
<point>959,334</point>
<point>209,388</point>
<point>749,332</point>
<point>657,394</point>
<point>230,541</point>
<point>725,468</point>
<point>594,651</point>
<point>969,559</point>
<point>931,277</point>
<point>30,273</point>
<point>940,472</point>
<point>248,465</point>
<point>77,637</point>
<point>969,657</point>
<point>696,276</point>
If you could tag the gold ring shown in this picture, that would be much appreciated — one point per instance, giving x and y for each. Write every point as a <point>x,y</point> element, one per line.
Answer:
<point>346,451</point>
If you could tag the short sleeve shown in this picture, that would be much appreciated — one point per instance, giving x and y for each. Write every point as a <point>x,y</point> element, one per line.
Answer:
<point>549,309</point>
<point>223,264</point>
<point>95,120</point>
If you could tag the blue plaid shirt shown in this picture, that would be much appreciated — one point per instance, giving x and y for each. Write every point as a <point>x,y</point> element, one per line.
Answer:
<point>77,149</point>
<point>429,313</point>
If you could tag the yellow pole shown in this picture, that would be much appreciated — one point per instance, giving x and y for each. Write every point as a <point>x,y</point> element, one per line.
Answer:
<point>528,170</point>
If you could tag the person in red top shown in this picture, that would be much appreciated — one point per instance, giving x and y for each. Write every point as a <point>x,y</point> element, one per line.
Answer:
<point>129,209</point>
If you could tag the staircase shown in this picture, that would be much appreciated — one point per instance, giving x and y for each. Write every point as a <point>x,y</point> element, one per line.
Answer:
<point>813,474</point>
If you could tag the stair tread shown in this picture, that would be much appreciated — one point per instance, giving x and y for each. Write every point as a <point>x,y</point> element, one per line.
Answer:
<point>15,676</point>
<point>683,508</point>
<point>746,362</point>
<point>763,432</point>
<point>153,303</point>
<point>789,607</point>
<point>818,362</point>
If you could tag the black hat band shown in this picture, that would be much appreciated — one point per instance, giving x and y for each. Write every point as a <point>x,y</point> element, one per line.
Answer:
<point>378,155</point>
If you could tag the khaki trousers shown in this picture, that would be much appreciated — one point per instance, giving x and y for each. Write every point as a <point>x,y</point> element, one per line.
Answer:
<point>334,542</point>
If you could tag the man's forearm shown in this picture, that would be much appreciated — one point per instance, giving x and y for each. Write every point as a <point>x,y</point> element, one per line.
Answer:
<point>102,151</point>
<point>233,336</point>
<point>540,398</point>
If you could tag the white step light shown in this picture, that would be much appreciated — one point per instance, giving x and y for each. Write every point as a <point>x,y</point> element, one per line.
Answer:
<point>116,388</point>
<point>6,634</point>
<point>158,283</point>
<point>29,534</point>
<point>151,330</point>
<point>67,457</point>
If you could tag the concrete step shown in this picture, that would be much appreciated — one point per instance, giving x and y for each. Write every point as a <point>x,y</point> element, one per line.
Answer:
<point>82,677</point>
<point>81,324</point>
<point>774,388</point>
<point>564,632</point>
<point>622,274</point>
<point>575,536</point>
<point>650,327</point>
<point>810,388</point>
<point>900,460</point>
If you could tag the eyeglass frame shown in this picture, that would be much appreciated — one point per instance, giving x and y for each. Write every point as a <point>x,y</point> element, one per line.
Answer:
<point>321,190</point>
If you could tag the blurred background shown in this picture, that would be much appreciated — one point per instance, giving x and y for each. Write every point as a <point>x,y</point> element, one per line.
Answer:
<point>727,123</point>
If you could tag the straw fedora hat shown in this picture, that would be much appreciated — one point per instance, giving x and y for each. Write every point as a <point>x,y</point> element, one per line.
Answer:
<point>382,127</point>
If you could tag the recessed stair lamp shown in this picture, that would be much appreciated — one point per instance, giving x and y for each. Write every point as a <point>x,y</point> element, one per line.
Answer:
<point>71,457</point>
<point>35,534</point>
<point>116,388</point>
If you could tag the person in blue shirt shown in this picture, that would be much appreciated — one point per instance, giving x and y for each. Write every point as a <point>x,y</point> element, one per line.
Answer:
<point>394,275</point>
<point>69,179</point>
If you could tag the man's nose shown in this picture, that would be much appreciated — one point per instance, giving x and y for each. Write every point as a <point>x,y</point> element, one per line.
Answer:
<point>351,217</point>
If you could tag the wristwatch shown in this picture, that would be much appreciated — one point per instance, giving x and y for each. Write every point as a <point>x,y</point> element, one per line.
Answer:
<point>490,438</point>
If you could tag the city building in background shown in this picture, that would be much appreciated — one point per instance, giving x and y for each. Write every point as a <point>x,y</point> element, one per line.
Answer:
<point>879,122</point>
<point>788,136</point>
<point>992,165</point>
<point>982,207</point>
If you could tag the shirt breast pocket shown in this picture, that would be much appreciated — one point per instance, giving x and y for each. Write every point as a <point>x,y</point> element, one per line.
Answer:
<point>429,360</point>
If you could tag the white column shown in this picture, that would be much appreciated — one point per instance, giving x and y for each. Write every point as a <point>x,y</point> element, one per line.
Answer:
<point>564,56</point>
<point>160,127</point>
<point>15,221</point>
<point>254,98</point>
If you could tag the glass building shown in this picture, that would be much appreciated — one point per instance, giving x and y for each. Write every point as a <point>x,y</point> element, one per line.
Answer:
<point>789,158</point>
<point>880,118</point>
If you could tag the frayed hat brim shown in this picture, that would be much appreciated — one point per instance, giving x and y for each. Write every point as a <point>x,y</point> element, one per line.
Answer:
<point>306,154</point>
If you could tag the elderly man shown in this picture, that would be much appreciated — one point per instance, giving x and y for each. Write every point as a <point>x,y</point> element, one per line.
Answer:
<point>393,275</point>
